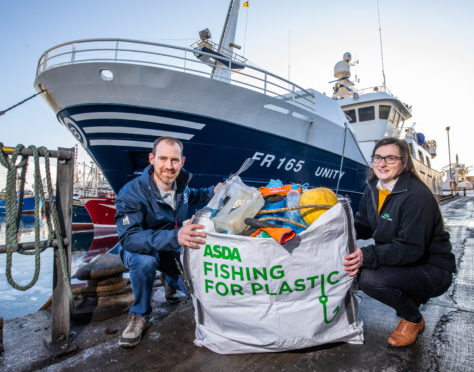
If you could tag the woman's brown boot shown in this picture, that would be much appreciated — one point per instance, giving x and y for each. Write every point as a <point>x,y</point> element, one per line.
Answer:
<point>406,332</point>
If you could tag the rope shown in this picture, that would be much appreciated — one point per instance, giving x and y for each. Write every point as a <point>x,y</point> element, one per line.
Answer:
<point>282,219</point>
<point>21,102</point>
<point>13,209</point>
<point>309,206</point>
<point>342,156</point>
<point>188,287</point>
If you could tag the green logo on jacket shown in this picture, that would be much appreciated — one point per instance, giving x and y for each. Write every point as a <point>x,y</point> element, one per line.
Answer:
<point>386,216</point>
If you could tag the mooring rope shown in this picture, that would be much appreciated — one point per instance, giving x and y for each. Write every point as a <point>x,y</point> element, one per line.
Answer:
<point>21,102</point>
<point>13,210</point>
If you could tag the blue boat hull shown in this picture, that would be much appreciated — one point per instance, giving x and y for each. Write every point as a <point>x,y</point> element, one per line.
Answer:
<point>28,205</point>
<point>81,220</point>
<point>213,148</point>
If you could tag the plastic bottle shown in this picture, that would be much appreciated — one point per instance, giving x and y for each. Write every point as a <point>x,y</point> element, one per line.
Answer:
<point>293,200</point>
<point>243,204</point>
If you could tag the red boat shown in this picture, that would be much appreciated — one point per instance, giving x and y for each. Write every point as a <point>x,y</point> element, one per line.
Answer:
<point>102,211</point>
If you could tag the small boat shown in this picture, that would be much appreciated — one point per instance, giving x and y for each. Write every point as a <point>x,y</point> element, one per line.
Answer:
<point>116,96</point>
<point>375,113</point>
<point>28,203</point>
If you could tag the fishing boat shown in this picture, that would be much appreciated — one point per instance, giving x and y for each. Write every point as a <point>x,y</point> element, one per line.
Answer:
<point>93,192</point>
<point>101,210</point>
<point>375,113</point>
<point>28,203</point>
<point>81,220</point>
<point>116,96</point>
<point>456,176</point>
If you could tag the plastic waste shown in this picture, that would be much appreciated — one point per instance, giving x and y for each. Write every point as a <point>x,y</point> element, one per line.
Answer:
<point>292,200</point>
<point>320,195</point>
<point>245,203</point>
<point>203,217</point>
<point>230,187</point>
<point>273,201</point>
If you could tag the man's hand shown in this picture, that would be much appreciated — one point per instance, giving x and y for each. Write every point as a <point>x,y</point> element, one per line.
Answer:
<point>188,236</point>
<point>217,187</point>
<point>353,261</point>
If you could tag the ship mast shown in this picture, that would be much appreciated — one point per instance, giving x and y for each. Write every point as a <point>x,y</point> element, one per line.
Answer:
<point>226,42</point>
<point>381,50</point>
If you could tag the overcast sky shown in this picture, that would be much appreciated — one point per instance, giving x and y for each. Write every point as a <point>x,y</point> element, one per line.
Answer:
<point>427,45</point>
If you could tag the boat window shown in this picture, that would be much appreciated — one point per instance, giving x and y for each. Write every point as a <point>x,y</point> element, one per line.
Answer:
<point>395,122</point>
<point>366,113</point>
<point>106,75</point>
<point>384,110</point>
<point>420,154</point>
<point>352,115</point>
<point>412,150</point>
<point>400,123</point>
<point>428,162</point>
<point>392,115</point>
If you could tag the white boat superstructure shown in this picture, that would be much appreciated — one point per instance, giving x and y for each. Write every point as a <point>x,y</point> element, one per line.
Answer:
<point>375,113</point>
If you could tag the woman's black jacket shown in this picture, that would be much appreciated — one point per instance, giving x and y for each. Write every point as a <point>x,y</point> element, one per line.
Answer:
<point>409,229</point>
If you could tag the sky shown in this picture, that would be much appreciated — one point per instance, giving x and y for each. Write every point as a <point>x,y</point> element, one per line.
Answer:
<point>427,53</point>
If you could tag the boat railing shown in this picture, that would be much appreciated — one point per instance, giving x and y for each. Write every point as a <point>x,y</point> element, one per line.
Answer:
<point>174,58</point>
<point>377,88</point>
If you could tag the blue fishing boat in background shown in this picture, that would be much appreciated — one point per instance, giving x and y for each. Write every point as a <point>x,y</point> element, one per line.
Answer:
<point>28,203</point>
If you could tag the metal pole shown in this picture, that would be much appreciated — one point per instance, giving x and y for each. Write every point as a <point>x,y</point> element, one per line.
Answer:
<point>450,172</point>
<point>1,336</point>
<point>61,317</point>
<point>29,246</point>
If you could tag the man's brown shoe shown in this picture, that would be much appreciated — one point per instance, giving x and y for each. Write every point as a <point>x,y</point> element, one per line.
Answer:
<point>406,332</point>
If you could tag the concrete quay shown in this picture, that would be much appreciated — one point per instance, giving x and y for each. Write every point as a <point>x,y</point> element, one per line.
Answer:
<point>445,345</point>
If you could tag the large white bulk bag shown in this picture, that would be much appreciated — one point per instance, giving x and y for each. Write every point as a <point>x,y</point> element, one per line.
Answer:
<point>254,295</point>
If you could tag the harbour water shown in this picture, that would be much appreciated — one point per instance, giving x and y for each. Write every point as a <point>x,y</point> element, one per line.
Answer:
<point>15,303</point>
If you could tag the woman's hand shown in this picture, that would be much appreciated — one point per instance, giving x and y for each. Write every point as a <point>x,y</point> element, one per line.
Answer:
<point>353,261</point>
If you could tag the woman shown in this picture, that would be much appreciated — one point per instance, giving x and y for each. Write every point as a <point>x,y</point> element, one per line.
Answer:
<point>411,259</point>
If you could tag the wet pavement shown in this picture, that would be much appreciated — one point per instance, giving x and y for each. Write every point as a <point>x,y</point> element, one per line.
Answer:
<point>445,345</point>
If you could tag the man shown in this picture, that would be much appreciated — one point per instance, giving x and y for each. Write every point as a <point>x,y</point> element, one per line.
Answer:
<point>150,213</point>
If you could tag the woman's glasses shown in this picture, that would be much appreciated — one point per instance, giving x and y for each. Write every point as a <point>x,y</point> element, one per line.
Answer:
<point>389,159</point>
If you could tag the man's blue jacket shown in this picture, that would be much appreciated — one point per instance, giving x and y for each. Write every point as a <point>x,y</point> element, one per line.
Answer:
<point>145,223</point>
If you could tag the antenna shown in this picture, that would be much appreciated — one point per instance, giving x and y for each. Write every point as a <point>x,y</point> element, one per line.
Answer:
<point>381,50</point>
<point>245,34</point>
<point>289,54</point>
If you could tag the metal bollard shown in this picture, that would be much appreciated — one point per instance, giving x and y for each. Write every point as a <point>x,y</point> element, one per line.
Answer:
<point>464,191</point>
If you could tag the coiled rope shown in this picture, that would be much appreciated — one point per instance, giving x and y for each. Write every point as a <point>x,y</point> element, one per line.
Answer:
<point>13,210</point>
<point>310,208</point>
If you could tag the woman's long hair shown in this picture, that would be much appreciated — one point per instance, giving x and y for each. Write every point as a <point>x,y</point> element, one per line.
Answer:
<point>407,163</point>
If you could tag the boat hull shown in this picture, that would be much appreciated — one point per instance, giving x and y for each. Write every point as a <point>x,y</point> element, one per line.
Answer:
<point>213,152</point>
<point>81,220</point>
<point>101,211</point>
<point>220,125</point>
<point>28,205</point>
